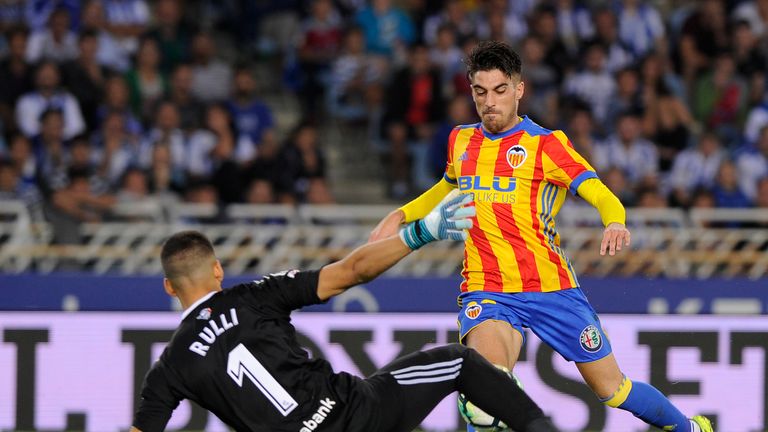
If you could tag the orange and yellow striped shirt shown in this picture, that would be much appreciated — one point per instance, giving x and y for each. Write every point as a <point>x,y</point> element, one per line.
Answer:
<point>519,178</point>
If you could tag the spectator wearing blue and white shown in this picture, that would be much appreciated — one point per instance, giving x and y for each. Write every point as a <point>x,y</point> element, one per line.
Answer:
<point>117,99</point>
<point>56,42</point>
<point>110,52</point>
<point>696,168</point>
<point>50,150</point>
<point>726,190</point>
<point>13,188</point>
<point>211,77</point>
<point>166,130</point>
<point>593,84</point>
<point>619,55</point>
<point>85,77</point>
<point>252,116</point>
<point>755,12</point>
<point>48,95</point>
<point>19,152</point>
<point>191,110</point>
<point>127,20</point>
<point>38,12</point>
<point>628,150</point>
<point>147,83</point>
<point>752,163</point>
<point>388,29</point>
<point>15,74</point>
<point>454,13</point>
<point>115,149</point>
<point>574,23</point>
<point>640,27</point>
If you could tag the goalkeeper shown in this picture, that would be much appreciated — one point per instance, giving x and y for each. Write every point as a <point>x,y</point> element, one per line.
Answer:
<point>235,351</point>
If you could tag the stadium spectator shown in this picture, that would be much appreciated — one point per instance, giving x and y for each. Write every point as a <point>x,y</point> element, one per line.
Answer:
<point>755,12</point>
<point>627,150</point>
<point>171,34</point>
<point>110,53</point>
<point>321,39</point>
<point>20,153</point>
<point>581,130</point>
<point>703,36</point>
<point>77,202</point>
<point>720,98</point>
<point>667,122</point>
<point>14,188</point>
<point>640,27</point>
<point>455,14</point>
<point>388,29</point>
<point>85,77</point>
<point>593,84</point>
<point>38,13</point>
<point>260,191</point>
<point>617,182</point>
<point>726,190</point>
<point>252,117</point>
<point>650,197</point>
<point>413,106</point>
<point>166,130</point>
<point>166,180</point>
<point>303,168</point>
<point>501,20</point>
<point>56,42</point>
<point>541,99</point>
<point>627,97</point>
<point>117,99</point>
<point>574,24</point>
<point>618,55</point>
<point>217,154</point>
<point>356,79</point>
<point>11,14</point>
<point>544,28</point>
<point>751,60</point>
<point>48,95</point>
<point>446,55</point>
<point>656,67</point>
<point>459,113</point>
<point>211,77</point>
<point>752,164</point>
<point>147,83</point>
<point>761,199</point>
<point>50,148</point>
<point>127,20</point>
<point>134,187</point>
<point>191,110</point>
<point>695,168</point>
<point>117,150</point>
<point>757,119</point>
<point>15,74</point>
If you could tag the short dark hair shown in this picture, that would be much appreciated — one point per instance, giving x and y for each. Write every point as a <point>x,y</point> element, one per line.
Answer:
<point>183,252</point>
<point>489,55</point>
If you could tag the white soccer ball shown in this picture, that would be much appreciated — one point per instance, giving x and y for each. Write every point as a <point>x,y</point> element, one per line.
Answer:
<point>479,419</point>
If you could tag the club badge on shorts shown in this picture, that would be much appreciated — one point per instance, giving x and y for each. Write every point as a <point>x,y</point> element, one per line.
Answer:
<point>473,310</point>
<point>590,339</point>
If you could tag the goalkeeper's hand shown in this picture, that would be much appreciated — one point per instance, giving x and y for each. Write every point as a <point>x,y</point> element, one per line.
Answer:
<point>448,221</point>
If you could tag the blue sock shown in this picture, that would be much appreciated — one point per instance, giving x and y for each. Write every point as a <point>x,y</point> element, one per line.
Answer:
<point>649,405</point>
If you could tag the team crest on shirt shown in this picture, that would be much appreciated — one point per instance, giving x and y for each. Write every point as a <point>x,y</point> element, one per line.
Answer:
<point>516,155</point>
<point>473,310</point>
<point>205,314</point>
<point>590,339</point>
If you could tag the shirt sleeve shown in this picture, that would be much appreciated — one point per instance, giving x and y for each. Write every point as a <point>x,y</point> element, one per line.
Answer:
<point>285,291</point>
<point>562,164</point>
<point>158,400</point>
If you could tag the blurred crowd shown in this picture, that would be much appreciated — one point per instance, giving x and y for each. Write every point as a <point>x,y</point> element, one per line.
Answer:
<point>115,101</point>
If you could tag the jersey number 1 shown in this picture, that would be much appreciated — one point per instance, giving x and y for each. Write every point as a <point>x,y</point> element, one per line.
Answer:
<point>241,363</point>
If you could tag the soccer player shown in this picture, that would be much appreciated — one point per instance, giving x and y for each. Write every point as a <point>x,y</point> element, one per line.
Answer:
<point>515,273</point>
<point>236,354</point>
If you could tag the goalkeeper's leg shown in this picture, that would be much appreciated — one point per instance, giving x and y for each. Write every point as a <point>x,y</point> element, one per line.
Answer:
<point>411,386</point>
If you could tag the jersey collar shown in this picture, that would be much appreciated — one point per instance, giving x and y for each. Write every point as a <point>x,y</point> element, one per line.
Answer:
<point>518,127</point>
<point>199,301</point>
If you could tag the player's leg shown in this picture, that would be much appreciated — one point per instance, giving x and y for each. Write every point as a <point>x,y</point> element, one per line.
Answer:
<point>411,386</point>
<point>497,341</point>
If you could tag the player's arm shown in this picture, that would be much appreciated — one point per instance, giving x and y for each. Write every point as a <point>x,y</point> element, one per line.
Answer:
<point>416,209</point>
<point>446,221</point>
<point>612,213</point>
<point>158,400</point>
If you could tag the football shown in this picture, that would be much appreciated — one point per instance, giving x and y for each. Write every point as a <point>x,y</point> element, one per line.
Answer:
<point>479,419</point>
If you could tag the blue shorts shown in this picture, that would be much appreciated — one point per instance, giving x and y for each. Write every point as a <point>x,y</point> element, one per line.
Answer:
<point>564,320</point>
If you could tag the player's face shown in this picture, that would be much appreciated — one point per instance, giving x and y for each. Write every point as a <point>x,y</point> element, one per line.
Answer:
<point>496,99</point>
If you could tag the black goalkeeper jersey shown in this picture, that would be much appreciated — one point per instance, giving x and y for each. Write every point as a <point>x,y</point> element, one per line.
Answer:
<point>235,353</point>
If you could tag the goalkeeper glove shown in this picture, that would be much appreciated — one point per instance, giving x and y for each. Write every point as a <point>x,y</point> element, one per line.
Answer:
<point>448,220</point>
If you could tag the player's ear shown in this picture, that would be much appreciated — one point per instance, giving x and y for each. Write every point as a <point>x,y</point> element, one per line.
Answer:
<point>218,271</point>
<point>168,287</point>
<point>520,89</point>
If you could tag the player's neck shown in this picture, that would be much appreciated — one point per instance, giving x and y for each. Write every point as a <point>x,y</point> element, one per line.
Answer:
<point>189,298</point>
<point>511,125</point>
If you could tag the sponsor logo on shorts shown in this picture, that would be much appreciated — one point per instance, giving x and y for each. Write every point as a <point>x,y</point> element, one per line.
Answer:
<point>473,311</point>
<point>590,339</point>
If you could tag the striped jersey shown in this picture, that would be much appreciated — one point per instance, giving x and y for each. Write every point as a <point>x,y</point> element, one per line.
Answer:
<point>519,179</point>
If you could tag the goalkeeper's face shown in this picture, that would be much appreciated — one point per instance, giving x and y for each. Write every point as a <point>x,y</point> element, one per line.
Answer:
<point>496,97</point>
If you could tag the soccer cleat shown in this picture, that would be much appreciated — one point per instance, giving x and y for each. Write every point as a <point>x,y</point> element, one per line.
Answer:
<point>703,423</point>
